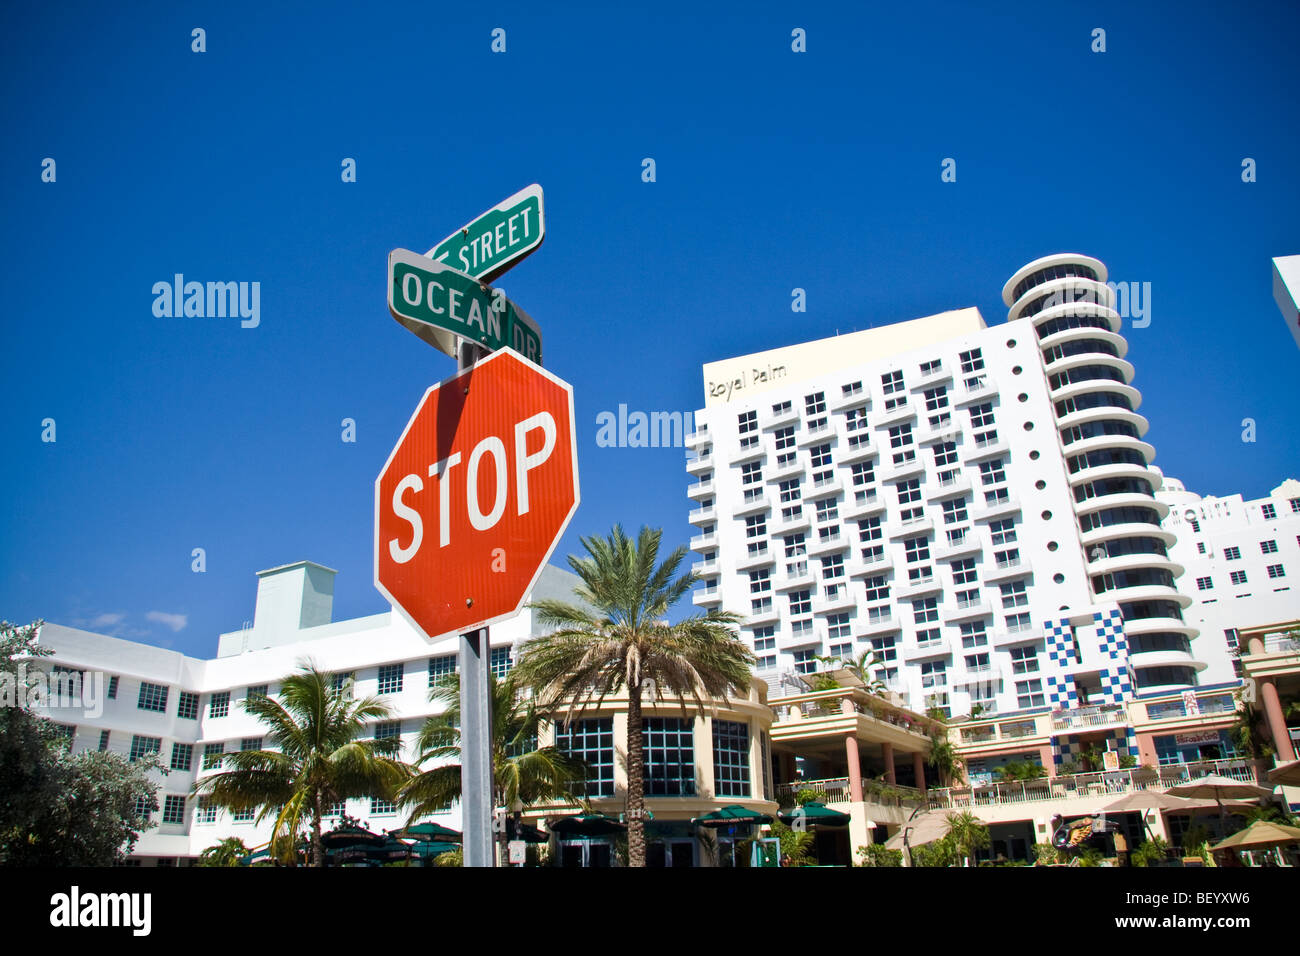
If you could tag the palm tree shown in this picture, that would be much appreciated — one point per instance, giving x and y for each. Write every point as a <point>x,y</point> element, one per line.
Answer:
<point>522,771</point>
<point>319,757</point>
<point>968,833</point>
<point>943,758</point>
<point>227,852</point>
<point>623,641</point>
<point>861,667</point>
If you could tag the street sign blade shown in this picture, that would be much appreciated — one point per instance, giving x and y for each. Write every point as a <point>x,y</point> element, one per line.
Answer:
<point>494,242</point>
<point>439,304</point>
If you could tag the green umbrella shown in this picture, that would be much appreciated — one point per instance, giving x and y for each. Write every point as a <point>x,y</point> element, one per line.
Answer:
<point>816,812</point>
<point>428,831</point>
<point>730,815</point>
<point>343,838</point>
<point>391,850</point>
<point>428,849</point>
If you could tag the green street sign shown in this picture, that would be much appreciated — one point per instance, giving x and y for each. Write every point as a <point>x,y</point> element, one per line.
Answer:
<point>440,304</point>
<point>498,239</point>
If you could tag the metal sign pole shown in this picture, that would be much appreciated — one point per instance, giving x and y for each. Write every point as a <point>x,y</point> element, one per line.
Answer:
<point>476,725</point>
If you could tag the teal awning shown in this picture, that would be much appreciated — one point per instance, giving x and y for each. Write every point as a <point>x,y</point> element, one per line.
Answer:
<point>817,813</point>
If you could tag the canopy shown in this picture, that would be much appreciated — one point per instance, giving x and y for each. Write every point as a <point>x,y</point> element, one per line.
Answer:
<point>1287,774</point>
<point>427,831</point>
<point>391,850</point>
<point>1261,833</point>
<point>427,849</point>
<point>926,828</point>
<point>587,824</point>
<point>1149,800</point>
<point>816,813</point>
<point>1217,787</point>
<point>730,815</point>
<point>344,837</point>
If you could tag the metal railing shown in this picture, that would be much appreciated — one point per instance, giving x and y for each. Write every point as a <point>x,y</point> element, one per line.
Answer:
<point>1100,784</point>
<point>839,790</point>
<point>1081,717</point>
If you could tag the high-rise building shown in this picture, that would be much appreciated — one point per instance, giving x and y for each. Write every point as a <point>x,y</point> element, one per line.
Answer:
<point>974,504</point>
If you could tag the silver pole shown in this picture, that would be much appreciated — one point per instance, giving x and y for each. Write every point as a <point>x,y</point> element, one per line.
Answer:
<point>476,726</point>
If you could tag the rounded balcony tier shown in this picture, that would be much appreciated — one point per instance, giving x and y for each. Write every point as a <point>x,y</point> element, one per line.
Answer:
<point>1100,442</point>
<point>1108,564</point>
<point>1160,625</point>
<point>1068,262</point>
<point>1086,416</point>
<point>1146,592</point>
<point>1075,389</point>
<point>1121,469</point>
<point>1164,658</point>
<point>1082,334</point>
<point>1125,499</point>
<point>1129,529</point>
<point>1085,359</point>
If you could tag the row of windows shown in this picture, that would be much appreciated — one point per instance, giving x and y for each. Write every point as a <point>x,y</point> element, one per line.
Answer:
<point>1275,571</point>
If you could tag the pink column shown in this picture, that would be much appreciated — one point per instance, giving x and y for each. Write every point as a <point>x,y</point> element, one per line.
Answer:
<point>918,765</point>
<point>1147,749</point>
<point>1276,720</point>
<point>855,767</point>
<point>1048,761</point>
<point>887,751</point>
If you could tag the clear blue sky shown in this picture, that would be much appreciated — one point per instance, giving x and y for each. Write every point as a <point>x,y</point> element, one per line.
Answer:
<point>775,170</point>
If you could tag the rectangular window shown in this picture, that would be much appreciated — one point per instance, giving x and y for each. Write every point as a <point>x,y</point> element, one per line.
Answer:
<point>1024,660</point>
<point>934,674</point>
<point>917,549</point>
<point>971,361</point>
<point>974,634</point>
<point>173,809</point>
<point>112,687</point>
<point>187,705</point>
<point>909,491</point>
<point>1004,531</point>
<point>1268,547</point>
<point>152,697</point>
<point>954,510</point>
<point>805,661</point>
<point>213,754</point>
<point>784,438</point>
<point>386,730</point>
<point>380,807</point>
<point>1276,571</point>
<point>1029,693</point>
<point>833,567</point>
<point>936,398</point>
<point>440,667</point>
<point>143,746</point>
<point>500,662</point>
<point>789,490</point>
<point>800,603</point>
<point>1014,594</point>
<point>877,588</point>
<point>669,757</point>
<point>1232,554</point>
<point>258,690</point>
<point>963,572</point>
<point>760,581</point>
<point>981,416</point>
<point>730,758</point>
<point>925,611</point>
<point>837,627</point>
<point>592,741</point>
<point>992,472</point>
<point>1204,584</point>
<point>206,812</point>
<point>755,526</point>
<point>1268,511</point>
<point>219,704</point>
<point>1238,577</point>
<point>182,756</point>
<point>103,740</point>
<point>815,409</point>
<point>390,678</point>
<point>863,473</point>
<point>945,453</point>
<point>1017,623</point>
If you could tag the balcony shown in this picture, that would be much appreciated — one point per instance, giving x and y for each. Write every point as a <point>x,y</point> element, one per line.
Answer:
<point>752,504</point>
<point>779,471</point>
<point>699,463</point>
<point>747,453</point>
<point>701,515</point>
<point>892,416</point>
<point>907,469</point>
<point>776,419</point>
<point>697,437</point>
<point>916,587</point>
<point>1089,718</point>
<point>965,610</point>
<point>837,790</point>
<point>702,568</point>
<point>989,448</point>
<point>756,559</point>
<point>828,484</point>
<point>701,489</point>
<point>947,487</point>
<point>996,509</point>
<point>856,451</point>
<point>1097,787</point>
<point>708,596</point>
<point>851,399</point>
<point>966,543</point>
<point>864,503</point>
<point>701,541</point>
<point>1001,570</point>
<point>817,436</point>
<point>911,526</point>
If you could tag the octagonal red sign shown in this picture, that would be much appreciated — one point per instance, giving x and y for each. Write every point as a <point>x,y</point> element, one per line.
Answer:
<point>476,494</point>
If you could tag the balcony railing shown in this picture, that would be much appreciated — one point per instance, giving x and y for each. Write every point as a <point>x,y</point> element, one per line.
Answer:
<point>838,790</point>
<point>1081,718</point>
<point>1102,784</point>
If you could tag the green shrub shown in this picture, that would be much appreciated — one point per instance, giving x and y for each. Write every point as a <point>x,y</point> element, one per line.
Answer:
<point>877,854</point>
<point>1152,851</point>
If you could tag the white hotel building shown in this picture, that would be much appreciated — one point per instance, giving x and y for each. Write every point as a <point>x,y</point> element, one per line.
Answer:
<point>974,504</point>
<point>187,710</point>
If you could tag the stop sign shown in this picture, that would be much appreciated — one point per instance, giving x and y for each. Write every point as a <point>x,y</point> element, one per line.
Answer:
<point>476,494</point>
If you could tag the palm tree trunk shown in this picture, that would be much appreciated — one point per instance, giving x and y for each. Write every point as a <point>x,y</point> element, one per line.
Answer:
<point>317,846</point>
<point>635,779</point>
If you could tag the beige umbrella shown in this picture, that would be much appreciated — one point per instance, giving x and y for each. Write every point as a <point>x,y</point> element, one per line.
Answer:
<point>1217,786</point>
<point>928,827</point>
<point>1287,774</point>
<point>1260,834</point>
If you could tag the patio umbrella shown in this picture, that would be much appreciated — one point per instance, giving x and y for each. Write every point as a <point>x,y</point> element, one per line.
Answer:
<point>344,838</point>
<point>1287,774</point>
<point>928,827</point>
<point>427,831</point>
<point>428,849</point>
<point>731,815</point>
<point>528,833</point>
<point>391,850</point>
<point>1217,786</point>
<point>588,825</point>
<point>817,813</point>
<point>1260,834</point>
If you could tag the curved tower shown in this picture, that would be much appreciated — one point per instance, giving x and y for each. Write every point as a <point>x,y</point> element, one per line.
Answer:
<point>1112,481</point>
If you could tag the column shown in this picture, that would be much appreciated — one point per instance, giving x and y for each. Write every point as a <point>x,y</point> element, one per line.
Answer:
<point>918,766</point>
<point>1276,720</point>
<point>855,768</point>
<point>887,751</point>
<point>1047,759</point>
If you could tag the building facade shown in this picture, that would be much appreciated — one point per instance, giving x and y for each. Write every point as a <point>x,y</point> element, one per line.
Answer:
<point>974,504</point>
